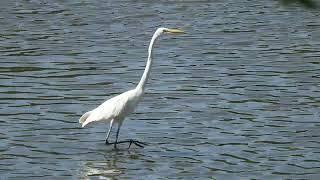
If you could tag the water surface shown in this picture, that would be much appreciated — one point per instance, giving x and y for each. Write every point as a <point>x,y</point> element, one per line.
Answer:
<point>237,96</point>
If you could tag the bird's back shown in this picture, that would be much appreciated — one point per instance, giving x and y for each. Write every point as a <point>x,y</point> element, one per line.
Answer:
<point>116,108</point>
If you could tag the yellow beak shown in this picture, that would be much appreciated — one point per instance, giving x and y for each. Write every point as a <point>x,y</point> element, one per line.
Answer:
<point>175,31</point>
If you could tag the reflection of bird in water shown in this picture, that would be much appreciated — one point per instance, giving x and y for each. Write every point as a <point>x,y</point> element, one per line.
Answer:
<point>100,169</point>
<point>118,107</point>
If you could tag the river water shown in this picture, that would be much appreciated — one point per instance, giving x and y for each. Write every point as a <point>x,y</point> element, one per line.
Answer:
<point>237,97</point>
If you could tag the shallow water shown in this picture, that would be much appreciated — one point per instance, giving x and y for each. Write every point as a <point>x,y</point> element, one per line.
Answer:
<point>236,97</point>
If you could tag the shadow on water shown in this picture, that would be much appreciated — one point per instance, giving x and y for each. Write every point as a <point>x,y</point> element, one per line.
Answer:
<point>312,4</point>
<point>107,167</point>
<point>111,162</point>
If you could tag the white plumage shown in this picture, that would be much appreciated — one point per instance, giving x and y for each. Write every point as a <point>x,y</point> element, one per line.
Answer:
<point>118,107</point>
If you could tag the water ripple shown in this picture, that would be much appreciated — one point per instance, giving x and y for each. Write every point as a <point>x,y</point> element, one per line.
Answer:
<point>235,97</point>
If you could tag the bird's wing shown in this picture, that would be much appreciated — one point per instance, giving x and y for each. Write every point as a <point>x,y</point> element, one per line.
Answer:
<point>121,105</point>
<point>84,117</point>
<point>113,108</point>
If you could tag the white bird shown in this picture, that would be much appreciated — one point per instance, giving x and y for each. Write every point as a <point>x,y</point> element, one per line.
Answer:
<point>117,108</point>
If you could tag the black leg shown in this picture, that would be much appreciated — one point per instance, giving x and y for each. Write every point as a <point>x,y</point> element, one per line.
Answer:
<point>117,135</point>
<point>108,134</point>
<point>130,141</point>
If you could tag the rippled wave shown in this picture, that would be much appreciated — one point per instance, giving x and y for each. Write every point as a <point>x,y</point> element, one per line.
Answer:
<point>236,97</point>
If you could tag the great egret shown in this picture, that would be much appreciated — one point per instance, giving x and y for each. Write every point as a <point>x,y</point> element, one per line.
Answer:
<point>117,108</point>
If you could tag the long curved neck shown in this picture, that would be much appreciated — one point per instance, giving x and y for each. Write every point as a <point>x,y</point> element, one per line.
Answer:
<point>147,69</point>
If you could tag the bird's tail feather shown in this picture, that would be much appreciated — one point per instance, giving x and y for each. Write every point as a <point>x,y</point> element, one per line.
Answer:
<point>83,119</point>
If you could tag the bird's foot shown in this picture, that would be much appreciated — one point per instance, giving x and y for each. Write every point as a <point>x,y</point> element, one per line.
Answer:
<point>107,142</point>
<point>130,141</point>
<point>137,143</point>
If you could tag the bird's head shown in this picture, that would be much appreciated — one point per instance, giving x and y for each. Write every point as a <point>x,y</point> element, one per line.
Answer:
<point>169,31</point>
<point>160,31</point>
